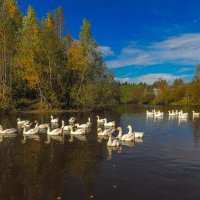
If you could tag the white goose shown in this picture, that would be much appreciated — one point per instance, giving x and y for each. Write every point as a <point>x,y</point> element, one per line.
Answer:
<point>159,114</point>
<point>87,125</point>
<point>57,131</point>
<point>109,124</point>
<point>129,137</point>
<point>32,131</point>
<point>54,120</point>
<point>100,121</point>
<point>182,115</point>
<point>171,113</point>
<point>149,113</point>
<point>104,132</point>
<point>136,134</point>
<point>24,122</point>
<point>72,120</point>
<point>7,131</point>
<point>66,128</point>
<point>194,114</point>
<point>81,126</point>
<point>113,142</point>
<point>77,132</point>
<point>41,126</point>
<point>28,126</point>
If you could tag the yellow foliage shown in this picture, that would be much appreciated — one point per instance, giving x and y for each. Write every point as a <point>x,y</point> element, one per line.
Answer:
<point>77,60</point>
<point>13,11</point>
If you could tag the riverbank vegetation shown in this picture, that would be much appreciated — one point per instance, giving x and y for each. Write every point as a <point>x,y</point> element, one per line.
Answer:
<point>162,93</point>
<point>42,68</point>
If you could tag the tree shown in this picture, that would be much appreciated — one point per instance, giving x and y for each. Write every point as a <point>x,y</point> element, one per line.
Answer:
<point>197,73</point>
<point>59,22</point>
<point>27,58</point>
<point>10,22</point>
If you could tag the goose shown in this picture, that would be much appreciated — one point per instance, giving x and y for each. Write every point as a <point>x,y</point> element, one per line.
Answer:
<point>176,112</point>
<point>136,134</point>
<point>113,142</point>
<point>65,128</point>
<point>7,131</point>
<point>32,131</point>
<point>100,121</point>
<point>159,114</point>
<point>194,114</point>
<point>129,137</point>
<point>89,121</point>
<point>77,132</point>
<point>28,125</point>
<point>56,131</point>
<point>72,120</point>
<point>54,120</point>
<point>81,126</point>
<point>171,113</point>
<point>100,132</point>
<point>41,126</point>
<point>109,124</point>
<point>24,122</point>
<point>149,113</point>
<point>81,137</point>
<point>182,115</point>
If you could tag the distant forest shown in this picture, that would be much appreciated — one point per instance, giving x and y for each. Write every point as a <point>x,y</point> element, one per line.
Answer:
<point>42,68</point>
<point>161,93</point>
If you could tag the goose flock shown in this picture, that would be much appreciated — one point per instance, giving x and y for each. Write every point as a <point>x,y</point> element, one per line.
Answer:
<point>179,114</point>
<point>106,129</point>
<point>28,128</point>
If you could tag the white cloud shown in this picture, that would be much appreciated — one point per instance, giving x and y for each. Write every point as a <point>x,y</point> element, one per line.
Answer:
<point>184,49</point>
<point>151,78</point>
<point>107,51</point>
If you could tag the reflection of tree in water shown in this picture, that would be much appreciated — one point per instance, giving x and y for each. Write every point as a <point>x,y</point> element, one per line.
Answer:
<point>196,130</point>
<point>83,162</point>
<point>35,170</point>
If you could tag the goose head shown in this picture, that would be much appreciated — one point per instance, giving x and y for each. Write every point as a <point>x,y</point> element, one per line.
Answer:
<point>118,129</point>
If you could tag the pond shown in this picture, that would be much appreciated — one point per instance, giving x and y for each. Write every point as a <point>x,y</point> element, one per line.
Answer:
<point>164,165</point>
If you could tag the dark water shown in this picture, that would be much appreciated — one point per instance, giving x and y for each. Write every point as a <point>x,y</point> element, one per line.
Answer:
<point>165,165</point>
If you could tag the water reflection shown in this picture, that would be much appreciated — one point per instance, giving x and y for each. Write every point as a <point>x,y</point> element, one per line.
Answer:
<point>68,166</point>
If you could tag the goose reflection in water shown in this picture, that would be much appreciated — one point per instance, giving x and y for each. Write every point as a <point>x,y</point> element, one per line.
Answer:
<point>79,137</point>
<point>57,138</point>
<point>182,121</point>
<point>31,137</point>
<point>111,149</point>
<point>100,138</point>
<point>1,138</point>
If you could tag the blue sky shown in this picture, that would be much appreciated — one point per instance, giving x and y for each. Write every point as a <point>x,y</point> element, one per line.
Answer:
<point>142,40</point>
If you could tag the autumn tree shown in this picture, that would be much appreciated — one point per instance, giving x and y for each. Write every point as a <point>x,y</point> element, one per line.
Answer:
<point>27,58</point>
<point>59,21</point>
<point>10,22</point>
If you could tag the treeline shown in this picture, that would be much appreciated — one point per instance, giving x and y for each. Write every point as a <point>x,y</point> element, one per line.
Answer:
<point>161,93</point>
<point>40,65</point>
